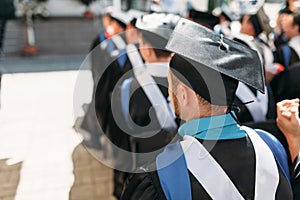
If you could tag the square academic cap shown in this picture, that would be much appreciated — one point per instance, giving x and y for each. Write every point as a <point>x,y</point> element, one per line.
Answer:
<point>157,28</point>
<point>161,24</point>
<point>206,19</point>
<point>121,17</point>
<point>209,52</point>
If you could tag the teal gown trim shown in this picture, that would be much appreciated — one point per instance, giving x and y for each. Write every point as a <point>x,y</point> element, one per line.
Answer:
<point>221,127</point>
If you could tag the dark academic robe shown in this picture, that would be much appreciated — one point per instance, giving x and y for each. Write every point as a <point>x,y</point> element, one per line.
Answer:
<point>106,71</point>
<point>243,114</point>
<point>144,117</point>
<point>103,107</point>
<point>295,174</point>
<point>280,56</point>
<point>286,85</point>
<point>145,122</point>
<point>241,111</point>
<point>146,186</point>
<point>236,157</point>
<point>99,59</point>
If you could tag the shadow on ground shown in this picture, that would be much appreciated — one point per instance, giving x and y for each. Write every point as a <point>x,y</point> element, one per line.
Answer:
<point>93,180</point>
<point>9,179</point>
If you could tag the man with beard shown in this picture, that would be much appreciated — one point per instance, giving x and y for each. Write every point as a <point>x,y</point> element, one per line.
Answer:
<point>215,157</point>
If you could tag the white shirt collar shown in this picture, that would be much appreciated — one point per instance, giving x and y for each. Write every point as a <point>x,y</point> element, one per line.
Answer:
<point>159,69</point>
<point>295,44</point>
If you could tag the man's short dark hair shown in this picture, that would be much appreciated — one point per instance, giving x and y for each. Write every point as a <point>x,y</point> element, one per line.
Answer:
<point>120,23</point>
<point>296,19</point>
<point>256,24</point>
<point>157,42</point>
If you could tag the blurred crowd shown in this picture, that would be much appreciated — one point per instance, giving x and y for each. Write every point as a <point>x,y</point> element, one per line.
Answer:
<point>119,88</point>
<point>141,103</point>
<point>123,51</point>
<point>132,115</point>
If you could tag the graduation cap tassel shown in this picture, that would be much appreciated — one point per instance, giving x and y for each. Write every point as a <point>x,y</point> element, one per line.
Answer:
<point>236,107</point>
<point>223,46</point>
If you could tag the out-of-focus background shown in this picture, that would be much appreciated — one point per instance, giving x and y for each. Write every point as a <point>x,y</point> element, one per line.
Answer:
<point>43,46</point>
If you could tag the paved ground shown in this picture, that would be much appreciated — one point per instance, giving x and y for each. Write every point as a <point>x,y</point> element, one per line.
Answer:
<point>41,156</point>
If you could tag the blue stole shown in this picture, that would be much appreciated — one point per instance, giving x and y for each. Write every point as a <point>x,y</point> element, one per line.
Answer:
<point>286,55</point>
<point>111,47</point>
<point>174,178</point>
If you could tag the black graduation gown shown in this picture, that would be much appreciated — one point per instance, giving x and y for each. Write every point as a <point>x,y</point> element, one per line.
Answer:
<point>236,157</point>
<point>105,71</point>
<point>280,58</point>
<point>139,107</point>
<point>295,169</point>
<point>286,84</point>
<point>103,108</point>
<point>100,59</point>
<point>105,88</point>
<point>142,115</point>
<point>140,112</point>
<point>242,112</point>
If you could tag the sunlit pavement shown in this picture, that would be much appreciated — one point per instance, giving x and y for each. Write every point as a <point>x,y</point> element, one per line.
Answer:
<point>37,142</point>
<point>40,154</point>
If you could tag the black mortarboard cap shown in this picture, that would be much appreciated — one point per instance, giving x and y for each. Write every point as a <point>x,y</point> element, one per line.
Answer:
<point>214,58</point>
<point>161,24</point>
<point>157,27</point>
<point>204,18</point>
<point>121,17</point>
<point>135,14</point>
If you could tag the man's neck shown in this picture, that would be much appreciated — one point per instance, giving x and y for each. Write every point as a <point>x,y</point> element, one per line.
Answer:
<point>161,59</point>
<point>213,111</point>
<point>221,110</point>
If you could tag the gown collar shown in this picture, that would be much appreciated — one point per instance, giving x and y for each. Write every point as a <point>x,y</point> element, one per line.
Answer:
<point>221,127</point>
<point>158,69</point>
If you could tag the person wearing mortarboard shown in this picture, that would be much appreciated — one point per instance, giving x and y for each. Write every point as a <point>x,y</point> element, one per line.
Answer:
<point>108,49</point>
<point>253,26</point>
<point>147,87</point>
<point>112,61</point>
<point>104,53</point>
<point>138,92</point>
<point>215,158</point>
<point>248,113</point>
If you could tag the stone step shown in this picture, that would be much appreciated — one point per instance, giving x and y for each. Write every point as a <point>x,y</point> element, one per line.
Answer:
<point>54,36</point>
